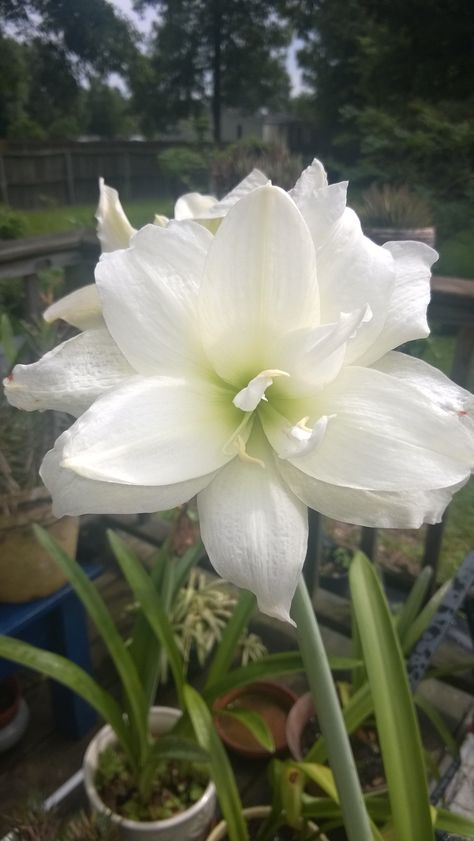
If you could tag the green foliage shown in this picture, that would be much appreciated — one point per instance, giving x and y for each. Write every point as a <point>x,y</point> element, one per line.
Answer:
<point>12,223</point>
<point>235,49</point>
<point>186,165</point>
<point>238,159</point>
<point>175,786</point>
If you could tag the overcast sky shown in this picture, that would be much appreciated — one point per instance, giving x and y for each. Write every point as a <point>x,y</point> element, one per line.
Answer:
<point>143,22</point>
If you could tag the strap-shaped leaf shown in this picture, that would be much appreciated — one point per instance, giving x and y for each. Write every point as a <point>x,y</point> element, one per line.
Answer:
<point>102,619</point>
<point>457,824</point>
<point>73,677</point>
<point>221,769</point>
<point>254,722</point>
<point>270,666</point>
<point>152,607</point>
<point>413,603</point>
<point>397,724</point>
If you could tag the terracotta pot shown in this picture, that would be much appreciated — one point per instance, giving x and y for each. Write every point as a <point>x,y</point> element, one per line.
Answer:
<point>271,700</point>
<point>27,571</point>
<point>382,235</point>
<point>190,825</point>
<point>219,833</point>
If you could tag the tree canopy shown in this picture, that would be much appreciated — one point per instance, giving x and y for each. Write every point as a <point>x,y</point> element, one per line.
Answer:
<point>228,52</point>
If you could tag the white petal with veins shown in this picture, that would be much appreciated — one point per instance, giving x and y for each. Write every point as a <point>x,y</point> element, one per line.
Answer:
<point>71,376</point>
<point>255,530</point>
<point>81,308</point>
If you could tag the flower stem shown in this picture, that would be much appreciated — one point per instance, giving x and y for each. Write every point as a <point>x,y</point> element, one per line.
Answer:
<point>356,820</point>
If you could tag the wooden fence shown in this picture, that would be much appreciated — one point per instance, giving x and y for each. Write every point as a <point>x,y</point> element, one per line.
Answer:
<point>37,177</point>
<point>452,307</point>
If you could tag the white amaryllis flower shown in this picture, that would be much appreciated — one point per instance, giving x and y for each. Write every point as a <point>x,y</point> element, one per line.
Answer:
<point>82,308</point>
<point>255,369</point>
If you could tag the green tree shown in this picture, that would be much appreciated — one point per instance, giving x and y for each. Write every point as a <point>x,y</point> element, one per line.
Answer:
<point>390,83</point>
<point>228,52</point>
<point>106,111</point>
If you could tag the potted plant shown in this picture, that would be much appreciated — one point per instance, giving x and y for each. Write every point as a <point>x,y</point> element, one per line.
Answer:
<point>394,213</point>
<point>303,733</point>
<point>136,741</point>
<point>284,817</point>
<point>27,571</point>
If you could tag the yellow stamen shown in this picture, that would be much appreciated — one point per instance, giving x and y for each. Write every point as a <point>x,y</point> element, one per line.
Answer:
<point>243,454</point>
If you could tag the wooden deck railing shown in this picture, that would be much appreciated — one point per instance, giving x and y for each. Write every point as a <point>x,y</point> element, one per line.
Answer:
<point>452,306</point>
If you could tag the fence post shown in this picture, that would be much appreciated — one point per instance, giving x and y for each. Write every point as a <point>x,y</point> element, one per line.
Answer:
<point>34,304</point>
<point>3,181</point>
<point>71,193</point>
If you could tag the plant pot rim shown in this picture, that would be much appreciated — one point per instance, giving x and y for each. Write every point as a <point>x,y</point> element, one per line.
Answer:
<point>218,833</point>
<point>106,736</point>
<point>277,691</point>
<point>301,712</point>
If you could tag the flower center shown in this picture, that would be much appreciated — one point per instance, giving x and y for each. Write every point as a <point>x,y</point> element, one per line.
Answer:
<point>249,397</point>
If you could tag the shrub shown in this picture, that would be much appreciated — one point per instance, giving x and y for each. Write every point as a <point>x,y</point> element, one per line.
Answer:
<point>188,166</point>
<point>12,223</point>
<point>237,160</point>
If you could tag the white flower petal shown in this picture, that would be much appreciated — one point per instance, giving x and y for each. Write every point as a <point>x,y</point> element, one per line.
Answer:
<point>250,182</point>
<point>408,509</point>
<point>259,283</point>
<point>386,436</point>
<point>149,295</point>
<point>74,495</point>
<point>314,357</point>
<point>193,206</point>
<point>255,530</point>
<point>435,386</point>
<point>354,272</point>
<point>154,431</point>
<point>71,376</point>
<point>406,316</point>
<point>81,308</point>
<point>322,206</point>
<point>113,228</point>
<point>290,439</point>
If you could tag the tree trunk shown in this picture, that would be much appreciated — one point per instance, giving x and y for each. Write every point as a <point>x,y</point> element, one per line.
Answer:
<point>216,70</point>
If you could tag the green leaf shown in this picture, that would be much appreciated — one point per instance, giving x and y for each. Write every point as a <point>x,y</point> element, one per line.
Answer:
<point>100,615</point>
<point>414,603</point>
<point>152,607</point>
<point>292,782</point>
<point>436,720</point>
<point>357,711</point>
<point>69,674</point>
<point>457,824</point>
<point>253,722</point>
<point>424,618</point>
<point>175,747</point>
<point>225,652</point>
<point>397,725</point>
<point>271,666</point>
<point>221,769</point>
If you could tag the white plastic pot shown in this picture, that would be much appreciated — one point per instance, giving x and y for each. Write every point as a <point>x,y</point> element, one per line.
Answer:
<point>219,833</point>
<point>191,825</point>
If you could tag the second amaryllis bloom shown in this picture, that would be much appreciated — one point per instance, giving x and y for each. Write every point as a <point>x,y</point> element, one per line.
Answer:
<point>255,368</point>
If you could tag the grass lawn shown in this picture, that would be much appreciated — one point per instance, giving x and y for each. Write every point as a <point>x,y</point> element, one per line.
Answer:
<point>53,220</point>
